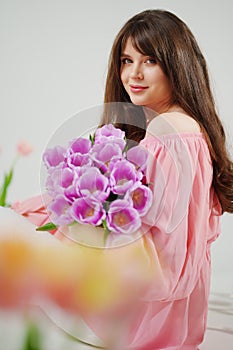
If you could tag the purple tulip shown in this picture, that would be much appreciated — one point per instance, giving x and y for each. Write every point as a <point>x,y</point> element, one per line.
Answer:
<point>75,160</point>
<point>68,183</point>
<point>80,145</point>
<point>78,153</point>
<point>53,181</point>
<point>137,156</point>
<point>122,218</point>
<point>141,197</point>
<point>103,154</point>
<point>108,133</point>
<point>93,184</point>
<point>71,193</point>
<point>60,211</point>
<point>58,179</point>
<point>122,177</point>
<point>88,211</point>
<point>54,156</point>
<point>67,177</point>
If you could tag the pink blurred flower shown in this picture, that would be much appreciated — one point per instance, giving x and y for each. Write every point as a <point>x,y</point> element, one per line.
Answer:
<point>24,148</point>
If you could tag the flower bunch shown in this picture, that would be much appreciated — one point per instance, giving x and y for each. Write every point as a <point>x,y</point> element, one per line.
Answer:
<point>97,181</point>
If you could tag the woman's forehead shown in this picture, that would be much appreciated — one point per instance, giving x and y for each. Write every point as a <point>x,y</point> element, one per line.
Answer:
<point>143,46</point>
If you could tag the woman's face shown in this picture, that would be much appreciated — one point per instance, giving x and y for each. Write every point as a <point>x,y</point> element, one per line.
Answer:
<point>144,80</point>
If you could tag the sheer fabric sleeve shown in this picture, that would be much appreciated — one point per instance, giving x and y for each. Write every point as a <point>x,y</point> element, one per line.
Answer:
<point>34,210</point>
<point>180,220</point>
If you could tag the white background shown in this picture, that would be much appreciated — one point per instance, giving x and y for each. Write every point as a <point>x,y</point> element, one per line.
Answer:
<point>53,63</point>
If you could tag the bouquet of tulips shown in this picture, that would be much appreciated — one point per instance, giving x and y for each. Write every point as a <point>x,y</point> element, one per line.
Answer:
<point>98,181</point>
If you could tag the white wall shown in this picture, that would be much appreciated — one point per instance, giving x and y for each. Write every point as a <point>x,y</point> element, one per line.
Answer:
<point>53,63</point>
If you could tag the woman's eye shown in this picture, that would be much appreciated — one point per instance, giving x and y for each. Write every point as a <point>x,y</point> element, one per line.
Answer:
<point>151,60</point>
<point>126,60</point>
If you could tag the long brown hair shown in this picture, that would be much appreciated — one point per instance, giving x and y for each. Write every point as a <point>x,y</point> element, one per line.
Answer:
<point>162,35</point>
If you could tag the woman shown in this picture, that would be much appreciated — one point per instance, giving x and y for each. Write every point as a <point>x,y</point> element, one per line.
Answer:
<point>156,65</point>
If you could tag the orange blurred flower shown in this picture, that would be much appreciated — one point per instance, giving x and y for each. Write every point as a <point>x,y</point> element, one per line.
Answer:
<point>77,278</point>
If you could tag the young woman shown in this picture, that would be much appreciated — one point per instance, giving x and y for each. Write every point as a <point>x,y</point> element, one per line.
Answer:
<point>156,63</point>
<point>157,66</point>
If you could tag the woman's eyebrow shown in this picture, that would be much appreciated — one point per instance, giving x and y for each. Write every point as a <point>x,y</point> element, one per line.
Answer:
<point>125,55</point>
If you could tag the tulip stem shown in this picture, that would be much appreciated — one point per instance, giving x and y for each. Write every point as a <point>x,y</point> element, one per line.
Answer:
<point>6,183</point>
<point>106,231</point>
<point>32,338</point>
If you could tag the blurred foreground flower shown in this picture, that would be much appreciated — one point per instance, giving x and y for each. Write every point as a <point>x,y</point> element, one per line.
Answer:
<point>37,268</point>
<point>23,149</point>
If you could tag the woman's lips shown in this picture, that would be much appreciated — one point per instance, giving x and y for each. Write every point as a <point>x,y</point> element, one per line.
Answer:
<point>137,88</point>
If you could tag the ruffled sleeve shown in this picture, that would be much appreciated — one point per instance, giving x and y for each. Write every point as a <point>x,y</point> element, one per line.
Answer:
<point>183,217</point>
<point>34,210</point>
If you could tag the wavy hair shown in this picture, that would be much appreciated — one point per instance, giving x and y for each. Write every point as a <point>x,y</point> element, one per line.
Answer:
<point>162,35</point>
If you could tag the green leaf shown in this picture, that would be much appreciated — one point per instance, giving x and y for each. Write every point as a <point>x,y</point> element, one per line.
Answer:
<point>6,183</point>
<point>47,227</point>
<point>33,338</point>
<point>92,138</point>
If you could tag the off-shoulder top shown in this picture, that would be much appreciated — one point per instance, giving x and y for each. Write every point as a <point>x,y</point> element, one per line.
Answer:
<point>179,229</point>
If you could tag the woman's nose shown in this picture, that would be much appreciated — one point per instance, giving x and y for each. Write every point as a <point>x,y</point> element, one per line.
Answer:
<point>136,72</point>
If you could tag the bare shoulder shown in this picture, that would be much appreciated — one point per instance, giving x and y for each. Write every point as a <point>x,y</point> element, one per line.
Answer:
<point>173,122</point>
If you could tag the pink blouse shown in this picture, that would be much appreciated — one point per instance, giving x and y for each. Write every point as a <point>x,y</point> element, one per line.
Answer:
<point>179,229</point>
